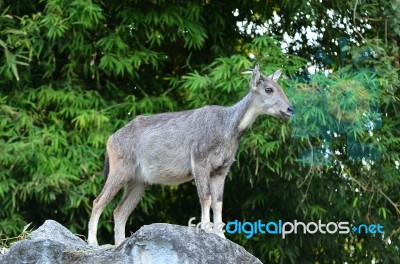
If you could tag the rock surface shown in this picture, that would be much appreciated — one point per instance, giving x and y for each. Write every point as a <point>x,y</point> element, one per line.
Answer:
<point>151,244</point>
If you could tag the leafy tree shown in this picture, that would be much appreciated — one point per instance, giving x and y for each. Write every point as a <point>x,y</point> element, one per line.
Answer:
<point>75,71</point>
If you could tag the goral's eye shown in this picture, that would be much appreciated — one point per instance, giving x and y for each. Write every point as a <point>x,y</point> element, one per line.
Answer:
<point>269,90</point>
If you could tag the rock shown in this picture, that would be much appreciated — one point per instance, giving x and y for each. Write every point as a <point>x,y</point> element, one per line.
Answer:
<point>155,243</point>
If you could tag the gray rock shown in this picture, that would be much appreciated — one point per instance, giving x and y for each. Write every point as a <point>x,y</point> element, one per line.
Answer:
<point>151,244</point>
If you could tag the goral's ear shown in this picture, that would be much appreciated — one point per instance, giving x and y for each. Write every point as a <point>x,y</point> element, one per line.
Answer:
<point>275,76</point>
<point>255,78</point>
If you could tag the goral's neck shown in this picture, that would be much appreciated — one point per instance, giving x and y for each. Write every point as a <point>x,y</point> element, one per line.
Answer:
<point>243,114</point>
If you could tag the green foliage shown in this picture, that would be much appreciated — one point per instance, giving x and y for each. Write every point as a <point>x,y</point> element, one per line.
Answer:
<point>75,71</point>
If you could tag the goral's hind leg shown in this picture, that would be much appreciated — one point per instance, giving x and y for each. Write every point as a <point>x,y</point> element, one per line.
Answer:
<point>113,184</point>
<point>132,193</point>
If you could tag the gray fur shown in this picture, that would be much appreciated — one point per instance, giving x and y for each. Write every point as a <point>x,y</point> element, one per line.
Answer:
<point>172,148</point>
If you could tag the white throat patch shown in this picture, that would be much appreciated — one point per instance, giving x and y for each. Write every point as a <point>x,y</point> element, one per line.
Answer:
<point>248,118</point>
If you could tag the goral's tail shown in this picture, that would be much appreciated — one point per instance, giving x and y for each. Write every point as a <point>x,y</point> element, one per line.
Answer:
<point>106,166</point>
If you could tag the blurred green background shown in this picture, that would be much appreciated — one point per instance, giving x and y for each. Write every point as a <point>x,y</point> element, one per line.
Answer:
<point>73,72</point>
